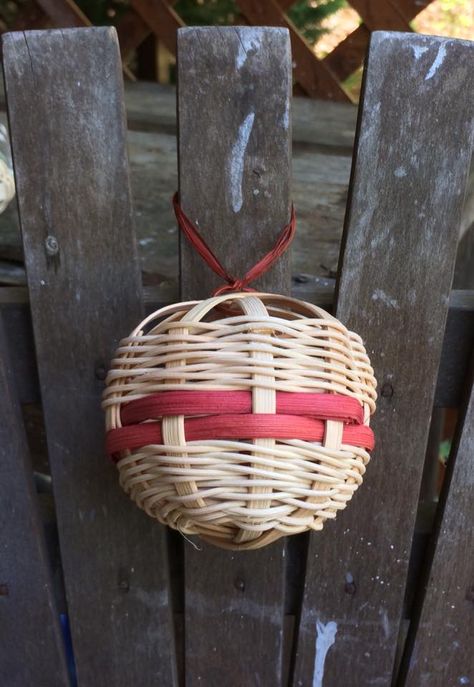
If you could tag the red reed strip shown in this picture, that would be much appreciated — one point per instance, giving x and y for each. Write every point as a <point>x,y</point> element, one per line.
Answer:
<point>318,406</point>
<point>235,427</point>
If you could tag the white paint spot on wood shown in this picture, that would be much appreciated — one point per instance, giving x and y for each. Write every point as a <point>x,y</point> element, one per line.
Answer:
<point>237,161</point>
<point>385,623</point>
<point>151,599</point>
<point>325,638</point>
<point>285,120</point>
<point>418,51</point>
<point>400,172</point>
<point>379,295</point>
<point>249,43</point>
<point>246,608</point>
<point>464,680</point>
<point>437,62</point>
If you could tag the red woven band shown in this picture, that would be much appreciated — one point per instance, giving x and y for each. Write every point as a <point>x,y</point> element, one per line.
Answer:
<point>233,283</point>
<point>320,406</point>
<point>228,417</point>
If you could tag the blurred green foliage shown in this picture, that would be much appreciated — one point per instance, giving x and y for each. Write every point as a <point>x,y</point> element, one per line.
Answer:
<point>308,16</point>
<point>444,450</point>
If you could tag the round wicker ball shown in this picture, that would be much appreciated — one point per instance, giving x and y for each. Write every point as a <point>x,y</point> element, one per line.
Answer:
<point>242,418</point>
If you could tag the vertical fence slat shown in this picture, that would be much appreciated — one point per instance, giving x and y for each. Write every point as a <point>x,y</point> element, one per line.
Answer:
<point>442,651</point>
<point>234,174</point>
<point>30,635</point>
<point>401,231</point>
<point>64,96</point>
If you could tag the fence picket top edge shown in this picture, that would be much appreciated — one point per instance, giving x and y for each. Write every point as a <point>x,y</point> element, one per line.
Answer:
<point>380,36</point>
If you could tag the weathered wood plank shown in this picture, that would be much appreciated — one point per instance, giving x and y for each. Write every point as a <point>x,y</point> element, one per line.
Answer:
<point>31,644</point>
<point>322,135</point>
<point>442,652</point>
<point>324,125</point>
<point>249,107</point>
<point>64,95</point>
<point>401,230</point>
<point>233,109</point>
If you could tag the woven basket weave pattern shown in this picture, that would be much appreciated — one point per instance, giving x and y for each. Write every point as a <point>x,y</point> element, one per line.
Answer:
<point>240,493</point>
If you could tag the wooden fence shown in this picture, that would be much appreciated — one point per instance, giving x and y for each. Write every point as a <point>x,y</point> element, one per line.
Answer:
<point>317,78</point>
<point>145,606</point>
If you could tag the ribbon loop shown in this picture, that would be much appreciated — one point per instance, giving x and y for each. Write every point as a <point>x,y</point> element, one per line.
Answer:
<point>233,284</point>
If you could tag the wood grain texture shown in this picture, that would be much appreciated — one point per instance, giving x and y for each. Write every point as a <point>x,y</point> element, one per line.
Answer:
<point>234,150</point>
<point>64,96</point>
<point>321,125</point>
<point>31,643</point>
<point>322,140</point>
<point>312,74</point>
<point>401,230</point>
<point>442,653</point>
<point>234,180</point>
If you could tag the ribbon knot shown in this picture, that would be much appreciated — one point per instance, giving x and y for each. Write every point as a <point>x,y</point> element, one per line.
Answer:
<point>232,287</point>
<point>233,284</point>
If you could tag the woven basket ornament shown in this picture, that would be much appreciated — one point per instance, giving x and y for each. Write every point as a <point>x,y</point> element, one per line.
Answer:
<point>241,418</point>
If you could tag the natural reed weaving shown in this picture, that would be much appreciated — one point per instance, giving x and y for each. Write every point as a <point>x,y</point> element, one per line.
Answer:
<point>242,418</point>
